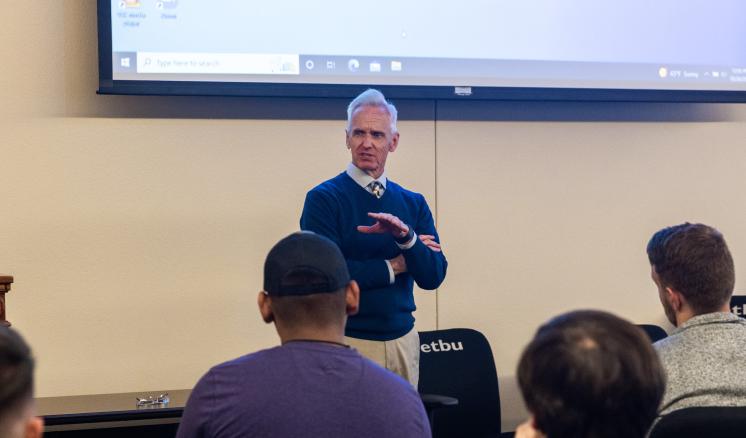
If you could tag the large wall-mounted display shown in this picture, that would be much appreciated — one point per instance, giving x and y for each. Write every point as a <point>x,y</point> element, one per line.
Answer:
<point>484,49</point>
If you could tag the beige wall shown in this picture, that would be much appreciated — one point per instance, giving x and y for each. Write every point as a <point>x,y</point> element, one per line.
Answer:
<point>137,240</point>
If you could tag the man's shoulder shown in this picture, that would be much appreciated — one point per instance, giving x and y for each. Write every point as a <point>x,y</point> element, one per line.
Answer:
<point>373,377</point>
<point>404,192</point>
<point>334,184</point>
<point>668,344</point>
<point>332,194</point>
<point>247,360</point>
<point>220,378</point>
<point>710,331</point>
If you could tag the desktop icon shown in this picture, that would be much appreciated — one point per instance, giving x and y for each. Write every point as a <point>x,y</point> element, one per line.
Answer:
<point>395,65</point>
<point>166,4</point>
<point>663,72</point>
<point>375,67</point>
<point>331,65</point>
<point>125,62</point>
<point>309,65</point>
<point>129,4</point>
<point>353,65</point>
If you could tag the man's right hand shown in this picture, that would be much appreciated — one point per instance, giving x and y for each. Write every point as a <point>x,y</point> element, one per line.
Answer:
<point>385,223</point>
<point>398,264</point>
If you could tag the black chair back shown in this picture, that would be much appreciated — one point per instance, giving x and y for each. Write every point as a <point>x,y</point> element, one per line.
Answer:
<point>459,363</point>
<point>654,332</point>
<point>702,422</point>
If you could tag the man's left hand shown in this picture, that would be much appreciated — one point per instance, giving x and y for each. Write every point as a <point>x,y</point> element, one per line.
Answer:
<point>385,223</point>
<point>429,241</point>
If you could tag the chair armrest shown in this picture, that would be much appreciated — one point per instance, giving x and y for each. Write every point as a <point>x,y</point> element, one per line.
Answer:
<point>436,401</point>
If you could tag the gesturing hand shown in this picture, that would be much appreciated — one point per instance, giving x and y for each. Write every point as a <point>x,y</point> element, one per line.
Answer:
<point>429,241</point>
<point>385,223</point>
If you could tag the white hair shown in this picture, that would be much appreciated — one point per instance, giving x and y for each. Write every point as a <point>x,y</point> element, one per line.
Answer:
<point>372,97</point>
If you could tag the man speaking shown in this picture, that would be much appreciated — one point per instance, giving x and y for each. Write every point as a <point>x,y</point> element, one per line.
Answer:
<point>386,234</point>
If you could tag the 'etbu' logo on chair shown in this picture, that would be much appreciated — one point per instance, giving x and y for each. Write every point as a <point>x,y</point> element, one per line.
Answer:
<point>439,346</point>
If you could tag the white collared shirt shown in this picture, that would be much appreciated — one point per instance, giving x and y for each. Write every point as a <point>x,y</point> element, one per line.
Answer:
<point>363,179</point>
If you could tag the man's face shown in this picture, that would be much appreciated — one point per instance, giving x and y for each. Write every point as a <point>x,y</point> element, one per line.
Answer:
<point>662,295</point>
<point>370,139</point>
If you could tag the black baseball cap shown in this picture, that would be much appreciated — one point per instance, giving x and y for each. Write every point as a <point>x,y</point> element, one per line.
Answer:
<point>305,255</point>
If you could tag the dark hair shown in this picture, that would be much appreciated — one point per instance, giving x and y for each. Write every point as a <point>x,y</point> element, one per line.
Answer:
<point>693,259</point>
<point>16,372</point>
<point>590,374</point>
<point>314,310</point>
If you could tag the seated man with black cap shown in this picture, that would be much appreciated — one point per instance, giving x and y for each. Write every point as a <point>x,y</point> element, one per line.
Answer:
<point>312,385</point>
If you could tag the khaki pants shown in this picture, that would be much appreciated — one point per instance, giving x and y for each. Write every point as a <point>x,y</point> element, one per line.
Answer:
<point>402,356</point>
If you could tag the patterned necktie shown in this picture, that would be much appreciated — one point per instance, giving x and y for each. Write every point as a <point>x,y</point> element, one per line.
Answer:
<point>376,188</point>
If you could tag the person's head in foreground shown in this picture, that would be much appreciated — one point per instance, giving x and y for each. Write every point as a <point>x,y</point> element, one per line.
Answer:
<point>17,417</point>
<point>590,374</point>
<point>307,289</point>
<point>693,270</point>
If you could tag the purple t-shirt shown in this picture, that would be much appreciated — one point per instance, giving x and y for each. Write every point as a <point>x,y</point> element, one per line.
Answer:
<point>303,389</point>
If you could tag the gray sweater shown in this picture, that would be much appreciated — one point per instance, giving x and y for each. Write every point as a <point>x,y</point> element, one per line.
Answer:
<point>705,362</point>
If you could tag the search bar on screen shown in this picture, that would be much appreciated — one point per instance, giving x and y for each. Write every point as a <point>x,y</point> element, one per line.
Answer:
<point>218,63</point>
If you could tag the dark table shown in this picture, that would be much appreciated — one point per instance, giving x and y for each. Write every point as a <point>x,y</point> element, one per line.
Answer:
<point>88,415</point>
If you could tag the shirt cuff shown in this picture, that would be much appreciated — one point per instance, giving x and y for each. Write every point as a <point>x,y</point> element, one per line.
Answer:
<point>392,277</point>
<point>407,245</point>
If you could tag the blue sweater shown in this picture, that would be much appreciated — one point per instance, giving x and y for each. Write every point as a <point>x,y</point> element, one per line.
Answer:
<point>334,209</point>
